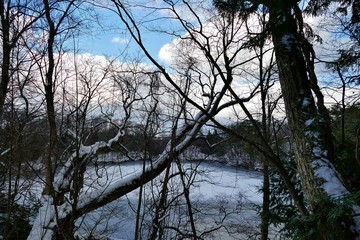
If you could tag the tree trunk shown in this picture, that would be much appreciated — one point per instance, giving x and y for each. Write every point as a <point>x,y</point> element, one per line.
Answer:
<point>266,203</point>
<point>307,124</point>
<point>357,148</point>
<point>6,55</point>
<point>299,102</point>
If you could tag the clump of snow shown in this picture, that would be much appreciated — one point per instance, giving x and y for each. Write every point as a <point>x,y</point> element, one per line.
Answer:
<point>44,223</point>
<point>309,122</point>
<point>322,167</point>
<point>331,182</point>
<point>317,152</point>
<point>356,219</point>
<point>314,135</point>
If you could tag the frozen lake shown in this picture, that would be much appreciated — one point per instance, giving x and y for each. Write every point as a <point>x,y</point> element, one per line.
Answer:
<point>222,198</point>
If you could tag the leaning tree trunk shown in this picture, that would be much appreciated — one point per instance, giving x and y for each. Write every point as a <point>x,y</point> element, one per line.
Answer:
<point>306,123</point>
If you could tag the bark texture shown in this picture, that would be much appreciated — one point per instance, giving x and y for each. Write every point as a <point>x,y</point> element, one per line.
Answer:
<point>307,123</point>
<point>299,102</point>
<point>357,150</point>
<point>6,54</point>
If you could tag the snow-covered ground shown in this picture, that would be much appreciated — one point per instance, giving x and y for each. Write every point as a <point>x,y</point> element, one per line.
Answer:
<point>223,200</point>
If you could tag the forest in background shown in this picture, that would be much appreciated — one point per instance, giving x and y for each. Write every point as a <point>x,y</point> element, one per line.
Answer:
<point>263,85</point>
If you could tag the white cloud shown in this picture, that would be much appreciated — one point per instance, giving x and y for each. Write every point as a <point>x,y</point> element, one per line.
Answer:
<point>119,40</point>
<point>165,53</point>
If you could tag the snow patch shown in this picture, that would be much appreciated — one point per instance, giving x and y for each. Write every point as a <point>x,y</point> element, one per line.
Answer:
<point>43,225</point>
<point>309,122</point>
<point>317,152</point>
<point>331,182</point>
<point>356,219</point>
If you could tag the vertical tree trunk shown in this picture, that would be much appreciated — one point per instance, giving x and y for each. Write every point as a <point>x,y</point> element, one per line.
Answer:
<point>49,96</point>
<point>266,203</point>
<point>160,210</point>
<point>357,147</point>
<point>306,123</point>
<point>299,102</point>
<point>6,54</point>
<point>264,85</point>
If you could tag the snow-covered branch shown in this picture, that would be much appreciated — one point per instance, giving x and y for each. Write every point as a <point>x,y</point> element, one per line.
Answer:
<point>63,179</point>
<point>46,221</point>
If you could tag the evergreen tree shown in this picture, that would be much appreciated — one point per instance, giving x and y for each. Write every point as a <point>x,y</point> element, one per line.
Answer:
<point>308,118</point>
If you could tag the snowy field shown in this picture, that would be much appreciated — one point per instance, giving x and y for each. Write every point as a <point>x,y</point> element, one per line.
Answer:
<point>223,199</point>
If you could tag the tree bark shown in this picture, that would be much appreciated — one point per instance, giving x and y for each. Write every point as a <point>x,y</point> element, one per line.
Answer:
<point>357,148</point>
<point>298,99</point>
<point>307,124</point>
<point>266,203</point>
<point>6,54</point>
<point>49,96</point>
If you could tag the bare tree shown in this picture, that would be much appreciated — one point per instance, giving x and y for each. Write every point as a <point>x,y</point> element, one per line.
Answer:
<point>308,117</point>
<point>211,74</point>
<point>222,58</point>
<point>17,119</point>
<point>17,17</point>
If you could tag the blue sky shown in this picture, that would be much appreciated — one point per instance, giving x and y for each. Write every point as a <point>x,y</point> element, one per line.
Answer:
<point>112,43</point>
<point>113,39</point>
